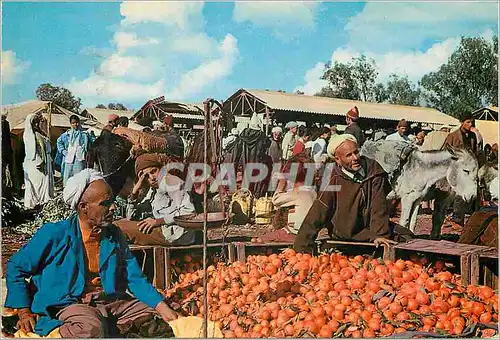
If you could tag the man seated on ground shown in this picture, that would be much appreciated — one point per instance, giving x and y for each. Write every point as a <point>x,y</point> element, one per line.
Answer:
<point>165,199</point>
<point>81,269</point>
<point>358,211</point>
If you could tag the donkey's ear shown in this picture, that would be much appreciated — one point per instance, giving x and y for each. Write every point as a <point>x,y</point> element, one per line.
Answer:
<point>453,151</point>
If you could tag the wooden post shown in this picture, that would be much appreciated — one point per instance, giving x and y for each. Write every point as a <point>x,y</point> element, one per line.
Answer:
<point>231,253</point>
<point>474,269</point>
<point>240,252</point>
<point>49,119</point>
<point>159,268</point>
<point>465,261</point>
<point>167,268</point>
<point>267,120</point>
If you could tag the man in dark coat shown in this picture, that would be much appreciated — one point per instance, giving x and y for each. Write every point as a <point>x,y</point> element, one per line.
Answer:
<point>463,138</point>
<point>251,147</point>
<point>353,127</point>
<point>358,211</point>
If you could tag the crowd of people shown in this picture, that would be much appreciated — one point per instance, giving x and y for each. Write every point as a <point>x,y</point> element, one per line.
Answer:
<point>75,292</point>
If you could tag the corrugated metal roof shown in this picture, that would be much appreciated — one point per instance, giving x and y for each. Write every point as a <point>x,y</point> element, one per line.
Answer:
<point>101,115</point>
<point>333,106</point>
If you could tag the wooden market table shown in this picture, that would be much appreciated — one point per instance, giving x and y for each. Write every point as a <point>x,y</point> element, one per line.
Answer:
<point>464,252</point>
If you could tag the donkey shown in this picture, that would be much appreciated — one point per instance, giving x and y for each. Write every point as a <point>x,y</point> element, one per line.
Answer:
<point>422,175</point>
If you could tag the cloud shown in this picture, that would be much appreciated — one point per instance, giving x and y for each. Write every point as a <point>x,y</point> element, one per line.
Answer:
<point>125,40</point>
<point>313,82</point>
<point>198,43</point>
<point>173,13</point>
<point>97,88</point>
<point>158,48</point>
<point>383,26</point>
<point>412,38</point>
<point>414,64</point>
<point>12,67</point>
<point>209,72</point>
<point>118,65</point>
<point>276,13</point>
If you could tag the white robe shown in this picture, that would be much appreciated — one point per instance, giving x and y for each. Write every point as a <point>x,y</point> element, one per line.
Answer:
<point>38,187</point>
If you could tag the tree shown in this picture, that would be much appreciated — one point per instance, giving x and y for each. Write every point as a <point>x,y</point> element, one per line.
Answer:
<point>467,81</point>
<point>59,95</point>
<point>401,91</point>
<point>341,83</point>
<point>380,93</point>
<point>365,72</point>
<point>354,80</point>
<point>117,106</point>
<point>100,106</point>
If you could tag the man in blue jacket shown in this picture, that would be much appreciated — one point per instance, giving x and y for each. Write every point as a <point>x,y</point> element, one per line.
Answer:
<point>81,269</point>
<point>73,145</point>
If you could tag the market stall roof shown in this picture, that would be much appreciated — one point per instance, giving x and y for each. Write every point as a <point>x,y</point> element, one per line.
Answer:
<point>101,115</point>
<point>487,113</point>
<point>288,102</point>
<point>489,131</point>
<point>17,113</point>
<point>157,108</point>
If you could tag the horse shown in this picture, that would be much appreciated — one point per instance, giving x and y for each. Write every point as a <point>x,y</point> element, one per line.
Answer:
<point>423,175</point>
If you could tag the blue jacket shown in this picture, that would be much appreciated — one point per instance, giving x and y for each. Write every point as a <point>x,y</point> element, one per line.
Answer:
<point>63,144</point>
<point>54,259</point>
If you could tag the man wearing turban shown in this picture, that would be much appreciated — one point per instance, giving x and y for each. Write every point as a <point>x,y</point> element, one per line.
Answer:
<point>358,210</point>
<point>353,128</point>
<point>82,270</point>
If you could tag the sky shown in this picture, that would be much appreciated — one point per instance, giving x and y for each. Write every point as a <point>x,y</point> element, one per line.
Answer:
<point>130,52</point>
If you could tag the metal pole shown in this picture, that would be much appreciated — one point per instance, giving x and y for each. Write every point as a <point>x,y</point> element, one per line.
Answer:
<point>206,107</point>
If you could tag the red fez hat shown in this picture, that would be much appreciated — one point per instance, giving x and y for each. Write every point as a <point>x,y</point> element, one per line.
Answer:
<point>112,117</point>
<point>168,120</point>
<point>353,113</point>
<point>402,123</point>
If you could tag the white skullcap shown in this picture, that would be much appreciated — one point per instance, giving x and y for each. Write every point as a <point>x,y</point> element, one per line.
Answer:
<point>235,132</point>
<point>493,188</point>
<point>76,186</point>
<point>290,125</point>
<point>338,140</point>
<point>276,129</point>
<point>445,127</point>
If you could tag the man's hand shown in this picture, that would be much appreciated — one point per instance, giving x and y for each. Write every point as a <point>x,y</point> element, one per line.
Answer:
<point>385,241</point>
<point>139,184</point>
<point>148,225</point>
<point>167,313</point>
<point>27,320</point>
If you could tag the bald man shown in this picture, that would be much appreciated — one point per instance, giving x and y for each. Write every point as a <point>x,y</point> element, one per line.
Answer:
<point>358,211</point>
<point>82,269</point>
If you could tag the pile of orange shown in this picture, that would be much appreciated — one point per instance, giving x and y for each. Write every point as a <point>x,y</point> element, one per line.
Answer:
<point>293,295</point>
